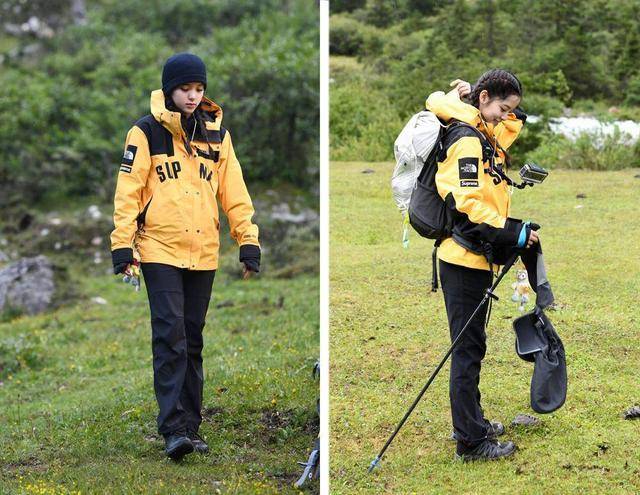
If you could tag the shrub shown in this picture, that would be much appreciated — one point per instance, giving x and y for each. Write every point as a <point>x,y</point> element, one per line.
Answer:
<point>559,152</point>
<point>364,123</point>
<point>544,106</point>
<point>346,5</point>
<point>529,139</point>
<point>70,106</point>
<point>552,84</point>
<point>346,36</point>
<point>633,91</point>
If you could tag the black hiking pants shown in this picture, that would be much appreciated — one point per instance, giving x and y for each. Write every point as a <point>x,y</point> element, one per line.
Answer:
<point>463,289</point>
<point>178,301</point>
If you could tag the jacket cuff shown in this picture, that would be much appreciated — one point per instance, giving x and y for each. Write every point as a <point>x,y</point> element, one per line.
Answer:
<point>510,233</point>
<point>520,115</point>
<point>249,252</point>
<point>122,255</point>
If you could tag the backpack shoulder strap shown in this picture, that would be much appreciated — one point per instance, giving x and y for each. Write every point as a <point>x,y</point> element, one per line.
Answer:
<point>458,129</point>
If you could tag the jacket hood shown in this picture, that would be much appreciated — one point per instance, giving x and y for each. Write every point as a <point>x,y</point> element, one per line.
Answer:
<point>449,106</point>
<point>171,120</point>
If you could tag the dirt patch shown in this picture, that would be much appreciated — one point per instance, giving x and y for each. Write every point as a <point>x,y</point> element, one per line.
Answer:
<point>273,420</point>
<point>225,304</point>
<point>285,480</point>
<point>212,414</point>
<point>586,467</point>
<point>312,426</point>
<point>239,330</point>
<point>31,463</point>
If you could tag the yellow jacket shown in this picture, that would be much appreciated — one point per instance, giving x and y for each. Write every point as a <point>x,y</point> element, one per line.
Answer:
<point>475,194</point>
<point>165,198</point>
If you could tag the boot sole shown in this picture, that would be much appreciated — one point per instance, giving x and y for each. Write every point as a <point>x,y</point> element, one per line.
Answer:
<point>179,451</point>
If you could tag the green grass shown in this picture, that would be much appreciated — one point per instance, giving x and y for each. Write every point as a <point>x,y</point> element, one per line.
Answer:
<point>78,415</point>
<point>388,332</point>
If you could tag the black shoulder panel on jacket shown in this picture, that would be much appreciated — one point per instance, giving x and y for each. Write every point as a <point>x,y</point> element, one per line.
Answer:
<point>216,137</point>
<point>451,136</point>
<point>159,138</point>
<point>457,132</point>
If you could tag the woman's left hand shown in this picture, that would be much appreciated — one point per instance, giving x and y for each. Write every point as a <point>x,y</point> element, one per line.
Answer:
<point>463,87</point>
<point>250,257</point>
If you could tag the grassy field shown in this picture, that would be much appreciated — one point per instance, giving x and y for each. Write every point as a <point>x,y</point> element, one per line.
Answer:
<point>388,332</point>
<point>78,415</point>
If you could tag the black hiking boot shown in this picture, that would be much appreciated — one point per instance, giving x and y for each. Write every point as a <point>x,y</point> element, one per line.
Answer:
<point>495,430</point>
<point>177,445</point>
<point>488,450</point>
<point>199,445</point>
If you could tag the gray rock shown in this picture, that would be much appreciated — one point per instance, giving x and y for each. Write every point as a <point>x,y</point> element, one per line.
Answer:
<point>632,413</point>
<point>27,285</point>
<point>282,212</point>
<point>94,212</point>
<point>525,420</point>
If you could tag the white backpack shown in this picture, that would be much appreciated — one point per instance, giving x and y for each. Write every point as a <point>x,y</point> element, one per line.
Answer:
<point>411,149</point>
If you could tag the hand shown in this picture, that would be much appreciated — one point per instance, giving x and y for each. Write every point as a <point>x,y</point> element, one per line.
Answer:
<point>250,256</point>
<point>533,238</point>
<point>251,265</point>
<point>463,87</point>
<point>121,258</point>
<point>121,268</point>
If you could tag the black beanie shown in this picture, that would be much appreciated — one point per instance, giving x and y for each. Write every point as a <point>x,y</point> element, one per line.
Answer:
<point>182,68</point>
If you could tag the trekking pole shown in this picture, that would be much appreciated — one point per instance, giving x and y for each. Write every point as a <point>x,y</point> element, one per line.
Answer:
<point>488,294</point>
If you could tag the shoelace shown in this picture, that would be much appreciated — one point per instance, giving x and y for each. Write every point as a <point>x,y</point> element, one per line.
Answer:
<point>195,436</point>
<point>489,447</point>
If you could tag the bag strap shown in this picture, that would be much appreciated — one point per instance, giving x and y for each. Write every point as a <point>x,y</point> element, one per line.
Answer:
<point>495,168</point>
<point>434,266</point>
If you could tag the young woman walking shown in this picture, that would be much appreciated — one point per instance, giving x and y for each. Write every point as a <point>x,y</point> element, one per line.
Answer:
<point>178,162</point>
<point>471,179</point>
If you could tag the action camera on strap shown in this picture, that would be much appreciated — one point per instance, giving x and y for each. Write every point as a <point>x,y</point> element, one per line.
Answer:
<point>531,173</point>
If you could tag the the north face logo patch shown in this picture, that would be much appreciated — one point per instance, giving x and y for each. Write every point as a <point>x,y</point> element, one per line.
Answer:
<point>127,159</point>
<point>468,168</point>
